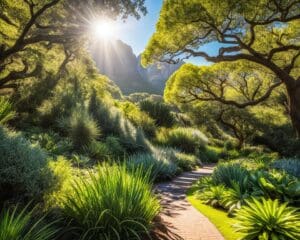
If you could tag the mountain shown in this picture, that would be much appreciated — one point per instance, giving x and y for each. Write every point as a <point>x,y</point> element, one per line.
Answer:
<point>117,60</point>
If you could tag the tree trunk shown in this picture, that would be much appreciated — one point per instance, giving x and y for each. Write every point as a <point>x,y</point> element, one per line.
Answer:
<point>294,108</point>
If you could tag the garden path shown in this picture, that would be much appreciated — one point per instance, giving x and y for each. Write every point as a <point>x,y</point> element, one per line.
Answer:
<point>179,220</point>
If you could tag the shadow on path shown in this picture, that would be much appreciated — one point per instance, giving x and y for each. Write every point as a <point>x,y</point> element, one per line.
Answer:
<point>178,219</point>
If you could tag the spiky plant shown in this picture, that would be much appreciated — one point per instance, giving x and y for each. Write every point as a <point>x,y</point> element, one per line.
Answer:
<point>112,204</point>
<point>268,219</point>
<point>19,225</point>
<point>228,173</point>
<point>213,195</point>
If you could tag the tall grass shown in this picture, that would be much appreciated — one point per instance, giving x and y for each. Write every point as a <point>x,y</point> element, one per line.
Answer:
<point>19,225</point>
<point>186,139</point>
<point>111,204</point>
<point>83,130</point>
<point>158,164</point>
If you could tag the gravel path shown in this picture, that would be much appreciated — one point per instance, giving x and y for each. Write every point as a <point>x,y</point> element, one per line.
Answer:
<point>179,220</point>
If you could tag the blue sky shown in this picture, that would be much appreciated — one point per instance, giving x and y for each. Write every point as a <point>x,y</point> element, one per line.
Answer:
<point>136,33</point>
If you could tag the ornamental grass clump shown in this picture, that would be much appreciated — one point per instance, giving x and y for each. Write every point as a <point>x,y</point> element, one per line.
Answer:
<point>112,203</point>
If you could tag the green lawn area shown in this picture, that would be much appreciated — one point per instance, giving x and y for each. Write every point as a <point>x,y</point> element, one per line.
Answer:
<point>218,217</point>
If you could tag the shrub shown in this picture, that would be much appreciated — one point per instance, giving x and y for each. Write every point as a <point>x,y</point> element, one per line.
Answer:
<point>115,148</point>
<point>228,173</point>
<point>112,122</point>
<point>209,154</point>
<point>83,130</point>
<point>267,219</point>
<point>185,139</point>
<point>23,167</point>
<point>97,150</point>
<point>113,204</point>
<point>236,195</point>
<point>186,162</point>
<point>139,118</point>
<point>21,226</point>
<point>62,176</point>
<point>291,166</point>
<point>276,185</point>
<point>160,112</point>
<point>213,195</point>
<point>50,141</point>
<point>159,165</point>
<point>6,111</point>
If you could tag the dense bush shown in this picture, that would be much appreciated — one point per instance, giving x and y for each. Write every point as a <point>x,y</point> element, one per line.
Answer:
<point>23,167</point>
<point>209,154</point>
<point>185,139</point>
<point>276,185</point>
<point>83,130</point>
<point>213,195</point>
<point>98,151</point>
<point>113,122</point>
<point>138,118</point>
<point>19,225</point>
<point>112,204</point>
<point>228,173</point>
<point>291,166</point>
<point>160,112</point>
<point>49,141</point>
<point>186,162</point>
<point>6,111</point>
<point>267,219</point>
<point>158,163</point>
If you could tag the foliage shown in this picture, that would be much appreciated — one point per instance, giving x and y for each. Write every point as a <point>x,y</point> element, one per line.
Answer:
<point>209,154</point>
<point>98,151</point>
<point>19,224</point>
<point>63,174</point>
<point>291,166</point>
<point>114,146</point>
<point>268,219</point>
<point>113,122</point>
<point>83,130</point>
<point>213,195</point>
<point>186,162</point>
<point>276,185</point>
<point>228,173</point>
<point>23,167</point>
<point>138,118</point>
<point>160,112</point>
<point>188,140</point>
<point>49,141</point>
<point>6,111</point>
<point>158,163</point>
<point>113,203</point>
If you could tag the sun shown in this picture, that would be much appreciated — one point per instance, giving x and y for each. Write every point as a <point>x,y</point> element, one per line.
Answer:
<point>103,29</point>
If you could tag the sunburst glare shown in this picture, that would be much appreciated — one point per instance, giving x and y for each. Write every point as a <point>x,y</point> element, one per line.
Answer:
<point>104,29</point>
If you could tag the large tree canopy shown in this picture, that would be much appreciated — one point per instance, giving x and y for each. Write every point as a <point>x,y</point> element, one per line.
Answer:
<point>31,26</point>
<point>264,32</point>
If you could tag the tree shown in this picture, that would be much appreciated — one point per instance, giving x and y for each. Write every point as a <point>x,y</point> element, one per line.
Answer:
<point>262,32</point>
<point>25,24</point>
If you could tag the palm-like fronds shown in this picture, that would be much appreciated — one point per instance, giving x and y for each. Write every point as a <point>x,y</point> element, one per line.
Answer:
<point>268,219</point>
<point>16,225</point>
